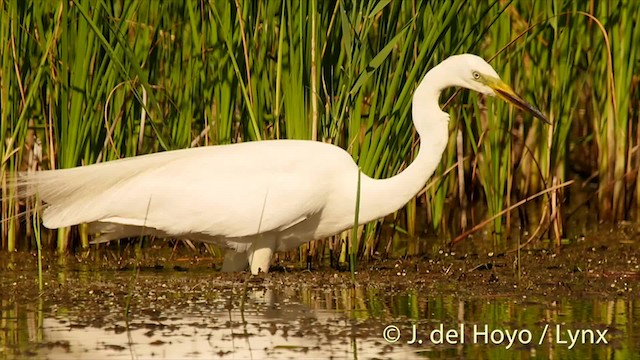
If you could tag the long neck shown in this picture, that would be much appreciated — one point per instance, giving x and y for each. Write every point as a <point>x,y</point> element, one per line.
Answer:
<point>384,196</point>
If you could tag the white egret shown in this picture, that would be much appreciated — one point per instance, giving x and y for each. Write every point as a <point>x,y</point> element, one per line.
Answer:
<point>255,198</point>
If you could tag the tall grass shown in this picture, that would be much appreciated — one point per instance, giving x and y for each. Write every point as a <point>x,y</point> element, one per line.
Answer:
<point>94,81</point>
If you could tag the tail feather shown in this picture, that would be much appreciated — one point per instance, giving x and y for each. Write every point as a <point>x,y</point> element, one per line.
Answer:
<point>71,196</point>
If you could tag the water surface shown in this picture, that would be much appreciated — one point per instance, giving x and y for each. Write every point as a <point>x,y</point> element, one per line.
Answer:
<point>192,314</point>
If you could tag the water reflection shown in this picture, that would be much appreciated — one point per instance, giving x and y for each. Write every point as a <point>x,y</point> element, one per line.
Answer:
<point>284,322</point>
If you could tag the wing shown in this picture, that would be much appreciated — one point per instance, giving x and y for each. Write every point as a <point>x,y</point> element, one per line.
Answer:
<point>229,191</point>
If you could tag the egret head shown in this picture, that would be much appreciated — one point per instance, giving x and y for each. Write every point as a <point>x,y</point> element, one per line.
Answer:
<point>476,74</point>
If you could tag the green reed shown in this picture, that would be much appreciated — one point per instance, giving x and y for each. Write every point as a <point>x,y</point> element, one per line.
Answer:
<point>94,81</point>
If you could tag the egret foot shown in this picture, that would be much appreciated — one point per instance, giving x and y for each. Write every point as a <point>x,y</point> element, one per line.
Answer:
<point>235,261</point>
<point>260,254</point>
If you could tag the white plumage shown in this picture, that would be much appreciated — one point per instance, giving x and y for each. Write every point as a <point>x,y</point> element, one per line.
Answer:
<point>254,198</point>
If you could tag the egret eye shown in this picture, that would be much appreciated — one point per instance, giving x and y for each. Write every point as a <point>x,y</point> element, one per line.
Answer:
<point>476,75</point>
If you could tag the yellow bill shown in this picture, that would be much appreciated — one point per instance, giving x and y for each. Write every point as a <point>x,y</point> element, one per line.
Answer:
<point>505,92</point>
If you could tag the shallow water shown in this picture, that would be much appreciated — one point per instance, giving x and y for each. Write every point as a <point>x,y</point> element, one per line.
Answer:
<point>189,314</point>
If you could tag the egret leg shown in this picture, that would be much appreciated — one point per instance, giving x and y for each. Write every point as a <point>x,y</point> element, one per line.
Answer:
<point>260,254</point>
<point>234,261</point>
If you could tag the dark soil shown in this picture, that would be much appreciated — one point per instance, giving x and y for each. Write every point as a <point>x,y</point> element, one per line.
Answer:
<point>599,265</point>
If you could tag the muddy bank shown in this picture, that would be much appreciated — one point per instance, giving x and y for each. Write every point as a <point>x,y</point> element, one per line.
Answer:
<point>604,264</point>
<point>176,304</point>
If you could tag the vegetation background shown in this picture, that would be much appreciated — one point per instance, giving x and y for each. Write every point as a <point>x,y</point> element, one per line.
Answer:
<point>89,81</point>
